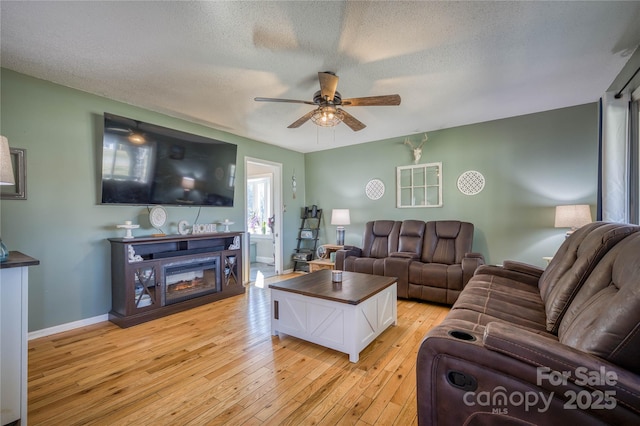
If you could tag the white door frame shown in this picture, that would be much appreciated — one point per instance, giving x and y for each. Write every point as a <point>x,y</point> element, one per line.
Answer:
<point>278,210</point>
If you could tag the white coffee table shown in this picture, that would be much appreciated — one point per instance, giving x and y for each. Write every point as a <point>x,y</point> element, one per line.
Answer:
<point>343,316</point>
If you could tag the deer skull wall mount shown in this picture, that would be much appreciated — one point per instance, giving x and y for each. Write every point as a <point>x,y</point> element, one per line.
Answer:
<point>417,150</point>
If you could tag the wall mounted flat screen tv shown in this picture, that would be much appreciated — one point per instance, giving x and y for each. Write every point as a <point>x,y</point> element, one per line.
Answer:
<point>145,164</point>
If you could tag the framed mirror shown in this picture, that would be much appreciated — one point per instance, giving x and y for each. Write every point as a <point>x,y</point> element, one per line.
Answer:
<point>419,185</point>
<point>19,190</point>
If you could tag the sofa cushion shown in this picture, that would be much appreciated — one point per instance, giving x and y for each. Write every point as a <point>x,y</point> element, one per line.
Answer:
<point>529,318</point>
<point>604,317</point>
<point>432,294</point>
<point>430,274</point>
<point>573,262</point>
<point>380,238</point>
<point>500,298</point>
<point>411,238</point>
<point>447,241</point>
<point>496,284</point>
<point>364,265</point>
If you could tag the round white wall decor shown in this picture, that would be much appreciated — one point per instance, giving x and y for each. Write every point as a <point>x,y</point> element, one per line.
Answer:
<point>158,217</point>
<point>374,189</point>
<point>471,182</point>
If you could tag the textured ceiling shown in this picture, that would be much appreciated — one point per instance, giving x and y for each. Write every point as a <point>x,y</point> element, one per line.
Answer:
<point>453,63</point>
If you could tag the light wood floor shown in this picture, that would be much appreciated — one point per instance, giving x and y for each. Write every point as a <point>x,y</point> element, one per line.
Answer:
<point>219,364</point>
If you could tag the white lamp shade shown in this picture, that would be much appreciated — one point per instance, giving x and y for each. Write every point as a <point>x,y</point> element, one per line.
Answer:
<point>6,169</point>
<point>340,217</point>
<point>572,216</point>
<point>188,182</point>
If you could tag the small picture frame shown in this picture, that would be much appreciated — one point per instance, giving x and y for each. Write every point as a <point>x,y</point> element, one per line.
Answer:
<point>306,234</point>
<point>19,164</point>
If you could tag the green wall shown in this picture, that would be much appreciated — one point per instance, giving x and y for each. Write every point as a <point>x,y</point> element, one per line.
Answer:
<point>530,163</point>
<point>61,222</point>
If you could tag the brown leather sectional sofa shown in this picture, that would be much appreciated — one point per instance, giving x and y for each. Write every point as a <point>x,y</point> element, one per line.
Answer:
<point>433,261</point>
<point>524,346</point>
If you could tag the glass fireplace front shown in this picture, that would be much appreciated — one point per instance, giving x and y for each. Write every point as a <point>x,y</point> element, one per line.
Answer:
<point>186,280</point>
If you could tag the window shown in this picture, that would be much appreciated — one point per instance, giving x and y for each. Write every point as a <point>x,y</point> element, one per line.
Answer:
<point>419,186</point>
<point>127,162</point>
<point>260,210</point>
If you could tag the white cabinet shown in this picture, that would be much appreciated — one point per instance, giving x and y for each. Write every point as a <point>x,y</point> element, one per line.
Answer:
<point>13,338</point>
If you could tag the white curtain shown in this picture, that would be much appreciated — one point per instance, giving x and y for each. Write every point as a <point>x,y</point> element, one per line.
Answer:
<point>614,161</point>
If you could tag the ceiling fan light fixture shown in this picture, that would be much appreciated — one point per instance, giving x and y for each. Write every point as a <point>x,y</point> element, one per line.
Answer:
<point>136,138</point>
<point>328,116</point>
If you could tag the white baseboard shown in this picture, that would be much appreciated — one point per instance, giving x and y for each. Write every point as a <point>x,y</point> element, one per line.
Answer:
<point>87,321</point>
<point>68,326</point>
<point>264,259</point>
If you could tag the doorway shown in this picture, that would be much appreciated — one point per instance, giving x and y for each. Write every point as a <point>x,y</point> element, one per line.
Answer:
<point>263,218</point>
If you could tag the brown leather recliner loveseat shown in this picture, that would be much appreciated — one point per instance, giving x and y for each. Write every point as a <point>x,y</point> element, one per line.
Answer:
<point>524,346</point>
<point>432,261</point>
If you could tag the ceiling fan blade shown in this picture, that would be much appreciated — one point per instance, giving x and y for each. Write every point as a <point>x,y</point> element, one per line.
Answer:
<point>328,85</point>
<point>385,100</point>
<point>118,129</point>
<point>291,101</point>
<point>351,121</point>
<point>300,121</point>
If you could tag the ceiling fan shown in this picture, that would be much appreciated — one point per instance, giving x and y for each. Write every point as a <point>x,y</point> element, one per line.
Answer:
<point>328,100</point>
<point>130,129</point>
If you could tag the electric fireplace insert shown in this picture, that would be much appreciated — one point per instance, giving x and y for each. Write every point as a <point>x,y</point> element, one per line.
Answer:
<point>189,279</point>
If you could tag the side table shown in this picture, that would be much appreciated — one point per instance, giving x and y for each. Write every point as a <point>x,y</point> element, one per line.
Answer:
<point>318,264</point>
<point>331,248</point>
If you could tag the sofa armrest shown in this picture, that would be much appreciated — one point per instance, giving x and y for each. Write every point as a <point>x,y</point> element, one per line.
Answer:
<point>517,271</point>
<point>559,366</point>
<point>524,268</point>
<point>342,254</point>
<point>470,262</point>
<point>404,254</point>
<point>475,255</point>
<point>456,365</point>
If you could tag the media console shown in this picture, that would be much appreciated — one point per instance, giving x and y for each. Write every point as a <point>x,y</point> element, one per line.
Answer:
<point>157,276</point>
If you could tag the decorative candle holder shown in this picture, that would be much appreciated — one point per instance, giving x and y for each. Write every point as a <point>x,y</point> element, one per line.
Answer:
<point>226,224</point>
<point>128,226</point>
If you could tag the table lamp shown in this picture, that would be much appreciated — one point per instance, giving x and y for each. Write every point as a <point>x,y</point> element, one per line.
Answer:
<point>188,183</point>
<point>572,216</point>
<point>340,217</point>
<point>6,178</point>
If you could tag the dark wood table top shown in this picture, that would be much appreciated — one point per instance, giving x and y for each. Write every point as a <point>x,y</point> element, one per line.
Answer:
<point>17,260</point>
<point>354,288</point>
